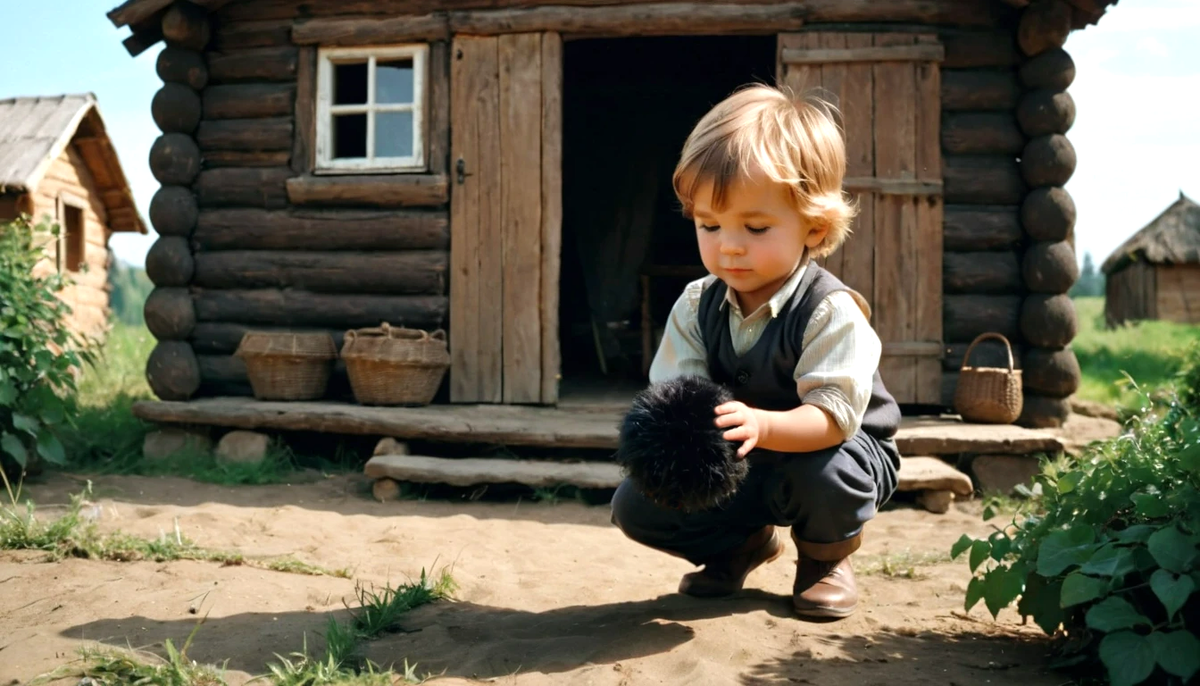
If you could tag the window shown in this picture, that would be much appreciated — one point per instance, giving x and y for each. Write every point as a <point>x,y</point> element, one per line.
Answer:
<point>71,238</point>
<point>370,109</point>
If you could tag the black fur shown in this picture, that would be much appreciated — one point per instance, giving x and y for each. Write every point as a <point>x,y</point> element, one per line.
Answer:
<point>672,451</point>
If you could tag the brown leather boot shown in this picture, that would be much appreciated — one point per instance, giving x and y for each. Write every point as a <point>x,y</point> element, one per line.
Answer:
<point>724,574</point>
<point>825,585</point>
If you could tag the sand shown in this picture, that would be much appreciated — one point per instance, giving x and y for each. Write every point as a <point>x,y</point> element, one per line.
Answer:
<point>550,593</point>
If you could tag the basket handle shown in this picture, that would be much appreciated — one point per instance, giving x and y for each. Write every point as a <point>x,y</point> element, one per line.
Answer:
<point>985,336</point>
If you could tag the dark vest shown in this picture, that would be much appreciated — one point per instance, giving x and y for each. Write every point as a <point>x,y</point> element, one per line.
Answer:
<point>765,376</point>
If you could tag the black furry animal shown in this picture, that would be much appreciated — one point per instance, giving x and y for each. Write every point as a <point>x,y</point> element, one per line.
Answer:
<point>672,451</point>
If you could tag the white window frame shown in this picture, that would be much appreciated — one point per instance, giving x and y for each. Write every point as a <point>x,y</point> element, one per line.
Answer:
<point>327,58</point>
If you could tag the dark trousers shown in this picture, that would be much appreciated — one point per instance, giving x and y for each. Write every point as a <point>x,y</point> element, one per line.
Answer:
<point>825,496</point>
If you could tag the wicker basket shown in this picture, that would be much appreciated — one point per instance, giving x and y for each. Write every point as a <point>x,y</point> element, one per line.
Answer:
<point>395,366</point>
<point>989,395</point>
<point>287,366</point>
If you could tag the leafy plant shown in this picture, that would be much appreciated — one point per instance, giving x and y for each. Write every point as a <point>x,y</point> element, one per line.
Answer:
<point>1112,555</point>
<point>39,355</point>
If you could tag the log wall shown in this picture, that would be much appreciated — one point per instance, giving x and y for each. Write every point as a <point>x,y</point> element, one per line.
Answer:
<point>271,239</point>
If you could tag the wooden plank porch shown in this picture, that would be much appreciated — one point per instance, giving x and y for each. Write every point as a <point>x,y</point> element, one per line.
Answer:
<point>566,426</point>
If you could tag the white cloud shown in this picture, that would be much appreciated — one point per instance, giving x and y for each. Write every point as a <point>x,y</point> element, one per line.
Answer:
<point>1153,46</point>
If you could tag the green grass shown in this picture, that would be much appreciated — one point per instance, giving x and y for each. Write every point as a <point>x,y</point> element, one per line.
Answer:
<point>108,667</point>
<point>1149,351</point>
<point>904,564</point>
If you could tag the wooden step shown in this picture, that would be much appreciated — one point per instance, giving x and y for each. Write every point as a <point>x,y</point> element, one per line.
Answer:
<point>542,426</point>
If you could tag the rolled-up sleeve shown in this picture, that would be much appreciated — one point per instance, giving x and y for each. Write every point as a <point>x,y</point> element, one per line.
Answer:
<point>681,352</point>
<point>837,366</point>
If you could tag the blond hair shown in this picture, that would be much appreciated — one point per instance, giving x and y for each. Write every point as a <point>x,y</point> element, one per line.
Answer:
<point>796,142</point>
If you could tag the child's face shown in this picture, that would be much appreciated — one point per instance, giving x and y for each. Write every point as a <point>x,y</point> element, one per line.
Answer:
<point>755,241</point>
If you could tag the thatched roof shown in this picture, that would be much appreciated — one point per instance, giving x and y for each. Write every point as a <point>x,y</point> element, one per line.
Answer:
<point>35,131</point>
<point>1172,238</point>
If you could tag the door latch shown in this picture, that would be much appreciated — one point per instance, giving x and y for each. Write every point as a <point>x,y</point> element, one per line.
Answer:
<point>461,168</point>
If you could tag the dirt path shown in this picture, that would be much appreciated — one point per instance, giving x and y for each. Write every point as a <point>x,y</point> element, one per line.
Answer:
<point>549,594</point>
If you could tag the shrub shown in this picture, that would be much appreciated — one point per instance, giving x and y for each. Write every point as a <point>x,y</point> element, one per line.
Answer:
<point>1112,554</point>
<point>38,355</point>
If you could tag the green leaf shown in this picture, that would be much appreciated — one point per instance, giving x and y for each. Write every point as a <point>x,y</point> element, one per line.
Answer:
<point>8,392</point>
<point>1114,613</point>
<point>979,552</point>
<point>1079,588</point>
<point>49,447</point>
<point>52,413</point>
<point>1178,652</point>
<point>1150,506</point>
<point>974,593</point>
<point>1063,549</point>
<point>1189,458</point>
<point>1040,601</point>
<point>1001,586</point>
<point>1137,533</point>
<point>1069,481</point>
<point>1001,544</point>
<point>960,546</point>
<point>23,423</point>
<point>1130,658</point>
<point>13,446</point>
<point>1110,561</point>
<point>1172,590</point>
<point>1171,549</point>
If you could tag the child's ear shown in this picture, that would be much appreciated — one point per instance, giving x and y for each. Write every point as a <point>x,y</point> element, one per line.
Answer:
<point>816,235</point>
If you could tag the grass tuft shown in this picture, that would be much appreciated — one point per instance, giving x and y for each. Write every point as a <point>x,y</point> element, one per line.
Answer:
<point>904,564</point>
<point>110,667</point>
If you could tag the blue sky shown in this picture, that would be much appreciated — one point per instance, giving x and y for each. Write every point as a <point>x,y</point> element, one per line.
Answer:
<point>1137,91</point>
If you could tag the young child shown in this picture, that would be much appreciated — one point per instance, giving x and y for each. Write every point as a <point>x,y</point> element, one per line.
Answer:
<point>761,176</point>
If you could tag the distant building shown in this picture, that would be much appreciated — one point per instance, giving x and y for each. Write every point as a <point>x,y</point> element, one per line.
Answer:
<point>1156,273</point>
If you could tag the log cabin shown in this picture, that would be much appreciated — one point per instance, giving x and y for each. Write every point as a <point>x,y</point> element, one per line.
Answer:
<point>501,169</point>
<point>58,165</point>
<point>1156,273</point>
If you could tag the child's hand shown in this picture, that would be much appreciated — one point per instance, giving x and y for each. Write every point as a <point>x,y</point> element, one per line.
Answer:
<point>749,428</point>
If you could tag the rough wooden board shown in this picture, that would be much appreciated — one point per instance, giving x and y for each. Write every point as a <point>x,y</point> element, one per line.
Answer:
<point>857,98</point>
<point>471,471</point>
<point>928,296</point>
<point>932,474</point>
<point>542,426</point>
<point>552,211</point>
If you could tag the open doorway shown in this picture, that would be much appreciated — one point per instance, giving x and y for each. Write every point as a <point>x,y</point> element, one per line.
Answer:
<point>628,106</point>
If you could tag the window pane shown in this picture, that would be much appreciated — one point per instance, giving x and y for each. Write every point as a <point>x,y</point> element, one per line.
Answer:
<point>393,134</point>
<point>394,81</point>
<point>350,84</point>
<point>350,135</point>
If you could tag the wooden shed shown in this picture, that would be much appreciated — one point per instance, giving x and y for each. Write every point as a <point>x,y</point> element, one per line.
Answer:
<point>1156,273</point>
<point>57,164</point>
<point>501,169</point>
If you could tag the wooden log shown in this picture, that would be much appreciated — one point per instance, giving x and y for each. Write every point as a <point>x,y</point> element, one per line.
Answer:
<point>258,64</point>
<point>175,159</point>
<point>223,338</point>
<point>981,133</point>
<point>982,180</point>
<point>979,89</point>
<point>973,49</point>
<point>169,262</point>
<point>1050,267</point>
<point>988,353</point>
<point>1048,214</point>
<point>1048,161</point>
<point>1051,372</point>
<point>421,190</point>
<point>1043,111</point>
<point>300,229</point>
<point>246,135</point>
<point>439,106</point>
<point>304,143</point>
<point>249,100</point>
<point>981,272</point>
<point>169,314</point>
<point>214,159</point>
<point>474,471</point>
<point>257,34</point>
<point>1044,25</point>
<point>981,227</point>
<point>186,25</point>
<point>187,67</point>
<point>1053,69</point>
<point>143,40</point>
<point>372,31</point>
<point>233,187</point>
<point>964,317</point>
<point>1048,321</point>
<point>298,308</point>
<point>172,370</point>
<point>176,108</point>
<point>396,273</point>
<point>1042,412</point>
<point>173,211</point>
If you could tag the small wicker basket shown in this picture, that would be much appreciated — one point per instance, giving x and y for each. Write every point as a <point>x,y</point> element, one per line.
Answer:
<point>989,395</point>
<point>287,366</point>
<point>395,366</point>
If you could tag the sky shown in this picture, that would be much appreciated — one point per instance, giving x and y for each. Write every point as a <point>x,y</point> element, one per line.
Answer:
<point>1136,132</point>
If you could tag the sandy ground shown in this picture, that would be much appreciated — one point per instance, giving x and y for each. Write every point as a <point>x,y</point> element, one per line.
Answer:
<point>549,594</point>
